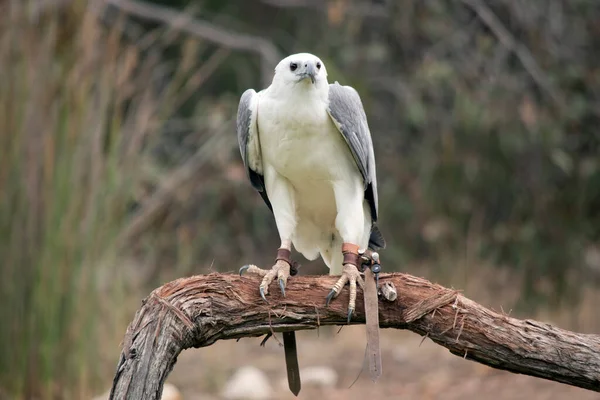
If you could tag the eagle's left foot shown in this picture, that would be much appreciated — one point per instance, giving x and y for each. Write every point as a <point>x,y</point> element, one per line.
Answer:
<point>283,268</point>
<point>350,275</point>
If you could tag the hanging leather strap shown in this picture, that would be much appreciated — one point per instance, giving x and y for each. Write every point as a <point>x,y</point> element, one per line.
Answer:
<point>372,324</point>
<point>289,338</point>
<point>291,362</point>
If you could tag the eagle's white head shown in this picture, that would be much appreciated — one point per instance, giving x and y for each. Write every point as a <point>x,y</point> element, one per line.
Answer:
<point>303,69</point>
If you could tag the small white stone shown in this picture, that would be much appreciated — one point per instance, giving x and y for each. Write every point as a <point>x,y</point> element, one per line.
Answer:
<point>401,355</point>
<point>170,392</point>
<point>247,383</point>
<point>318,376</point>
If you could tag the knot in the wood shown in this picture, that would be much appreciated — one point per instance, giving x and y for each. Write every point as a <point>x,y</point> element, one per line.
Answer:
<point>388,291</point>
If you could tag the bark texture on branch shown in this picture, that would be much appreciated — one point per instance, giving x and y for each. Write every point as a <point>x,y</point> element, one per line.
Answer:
<point>199,310</point>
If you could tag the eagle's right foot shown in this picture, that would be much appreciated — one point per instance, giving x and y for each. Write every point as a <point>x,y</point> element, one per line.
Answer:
<point>350,275</point>
<point>282,270</point>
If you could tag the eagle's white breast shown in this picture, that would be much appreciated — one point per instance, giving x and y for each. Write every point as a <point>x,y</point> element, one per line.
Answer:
<point>299,139</point>
<point>300,144</point>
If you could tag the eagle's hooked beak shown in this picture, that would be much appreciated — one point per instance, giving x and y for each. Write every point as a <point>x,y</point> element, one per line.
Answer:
<point>309,72</point>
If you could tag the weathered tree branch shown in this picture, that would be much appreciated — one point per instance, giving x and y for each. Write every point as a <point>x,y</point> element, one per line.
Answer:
<point>198,311</point>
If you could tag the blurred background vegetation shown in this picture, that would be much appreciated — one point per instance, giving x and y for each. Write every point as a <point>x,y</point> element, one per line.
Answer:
<point>119,166</point>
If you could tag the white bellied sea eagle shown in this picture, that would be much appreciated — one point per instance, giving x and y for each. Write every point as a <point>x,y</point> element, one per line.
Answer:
<point>307,150</point>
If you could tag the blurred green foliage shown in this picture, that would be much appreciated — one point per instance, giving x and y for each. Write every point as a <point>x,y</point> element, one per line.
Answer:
<point>77,109</point>
<point>119,166</point>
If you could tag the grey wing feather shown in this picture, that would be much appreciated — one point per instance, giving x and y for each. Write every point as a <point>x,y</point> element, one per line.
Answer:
<point>347,112</point>
<point>248,141</point>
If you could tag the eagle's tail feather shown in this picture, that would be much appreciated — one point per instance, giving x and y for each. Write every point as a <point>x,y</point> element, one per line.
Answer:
<point>376,240</point>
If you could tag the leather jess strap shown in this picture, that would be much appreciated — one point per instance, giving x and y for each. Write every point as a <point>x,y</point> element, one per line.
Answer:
<point>289,338</point>
<point>372,324</point>
<point>350,252</point>
<point>286,255</point>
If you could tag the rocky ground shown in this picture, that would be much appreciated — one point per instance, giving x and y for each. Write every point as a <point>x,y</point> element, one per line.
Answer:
<point>410,371</point>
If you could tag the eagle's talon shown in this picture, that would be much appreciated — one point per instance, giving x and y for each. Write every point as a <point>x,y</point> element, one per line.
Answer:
<point>329,297</point>
<point>350,311</point>
<point>244,269</point>
<point>262,294</point>
<point>282,286</point>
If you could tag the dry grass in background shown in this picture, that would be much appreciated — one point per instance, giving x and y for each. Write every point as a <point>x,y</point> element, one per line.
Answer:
<point>78,109</point>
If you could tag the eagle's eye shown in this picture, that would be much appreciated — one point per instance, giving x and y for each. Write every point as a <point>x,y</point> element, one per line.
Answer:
<point>293,66</point>
<point>318,65</point>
